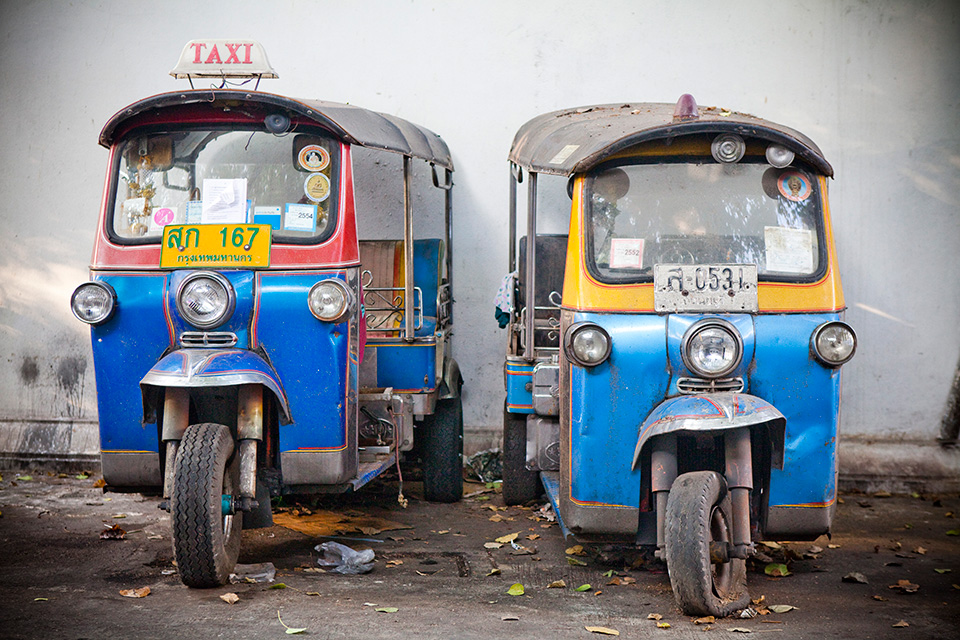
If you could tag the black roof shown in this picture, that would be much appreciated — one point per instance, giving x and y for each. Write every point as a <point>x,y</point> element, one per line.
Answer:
<point>349,123</point>
<point>576,140</point>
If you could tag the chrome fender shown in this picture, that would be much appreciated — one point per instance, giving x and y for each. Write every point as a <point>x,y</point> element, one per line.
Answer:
<point>712,412</point>
<point>214,368</point>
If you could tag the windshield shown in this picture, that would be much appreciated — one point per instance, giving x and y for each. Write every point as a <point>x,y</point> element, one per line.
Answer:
<point>225,177</point>
<point>702,213</point>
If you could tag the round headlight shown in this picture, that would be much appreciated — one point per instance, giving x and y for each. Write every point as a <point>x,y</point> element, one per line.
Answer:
<point>779,157</point>
<point>712,348</point>
<point>834,343</point>
<point>587,344</point>
<point>206,299</point>
<point>728,147</point>
<point>329,300</point>
<point>93,302</point>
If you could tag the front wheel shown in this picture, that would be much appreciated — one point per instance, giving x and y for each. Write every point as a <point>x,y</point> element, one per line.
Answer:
<point>698,514</point>
<point>443,452</point>
<point>206,533</point>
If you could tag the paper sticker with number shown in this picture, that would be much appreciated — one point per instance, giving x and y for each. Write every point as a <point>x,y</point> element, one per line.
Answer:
<point>626,253</point>
<point>300,217</point>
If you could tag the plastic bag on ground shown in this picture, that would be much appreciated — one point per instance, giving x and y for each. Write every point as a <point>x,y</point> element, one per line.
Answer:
<point>339,558</point>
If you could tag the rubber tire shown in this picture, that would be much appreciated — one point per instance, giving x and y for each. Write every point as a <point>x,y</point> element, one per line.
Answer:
<point>520,485</point>
<point>698,511</point>
<point>206,543</point>
<point>443,452</point>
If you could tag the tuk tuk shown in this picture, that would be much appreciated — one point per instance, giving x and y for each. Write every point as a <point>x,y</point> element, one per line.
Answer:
<point>248,341</point>
<point>673,361</point>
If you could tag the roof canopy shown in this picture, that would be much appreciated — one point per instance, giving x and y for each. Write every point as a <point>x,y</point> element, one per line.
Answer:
<point>576,140</point>
<point>351,124</point>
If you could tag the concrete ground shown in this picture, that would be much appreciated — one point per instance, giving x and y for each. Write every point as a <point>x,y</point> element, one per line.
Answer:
<point>436,579</point>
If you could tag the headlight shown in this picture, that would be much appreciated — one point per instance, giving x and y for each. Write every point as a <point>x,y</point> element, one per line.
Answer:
<point>587,344</point>
<point>712,348</point>
<point>206,299</point>
<point>833,343</point>
<point>329,300</point>
<point>93,302</point>
<point>728,148</point>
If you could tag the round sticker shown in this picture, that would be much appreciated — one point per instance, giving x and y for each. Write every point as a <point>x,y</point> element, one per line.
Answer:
<point>317,187</point>
<point>313,157</point>
<point>794,186</point>
<point>163,216</point>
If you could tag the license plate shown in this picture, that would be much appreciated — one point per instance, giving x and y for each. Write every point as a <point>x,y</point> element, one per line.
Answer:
<point>705,287</point>
<point>218,246</point>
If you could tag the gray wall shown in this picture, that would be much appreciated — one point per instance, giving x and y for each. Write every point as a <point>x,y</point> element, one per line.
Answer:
<point>874,83</point>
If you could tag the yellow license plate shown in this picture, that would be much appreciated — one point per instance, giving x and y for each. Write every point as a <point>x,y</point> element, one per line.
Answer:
<point>219,246</point>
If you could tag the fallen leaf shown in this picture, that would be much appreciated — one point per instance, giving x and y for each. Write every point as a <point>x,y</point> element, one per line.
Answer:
<point>781,608</point>
<point>771,545</point>
<point>776,570</point>
<point>492,545</point>
<point>628,580</point>
<point>142,592</point>
<point>901,624</point>
<point>815,549</point>
<point>576,550</point>
<point>494,572</point>
<point>508,538</point>
<point>112,532</point>
<point>706,620</point>
<point>509,618</point>
<point>663,625</point>
<point>584,587</point>
<point>920,550</point>
<point>311,593</point>
<point>533,536</point>
<point>759,601</point>
<point>81,476</point>
<point>883,494</point>
<point>41,599</point>
<point>278,585</point>
<point>394,563</point>
<point>614,582</point>
<point>24,478</point>
<point>230,598</point>
<point>577,562</point>
<point>905,586</point>
<point>557,584</point>
<point>387,609</point>
<point>290,630</point>
<point>607,631</point>
<point>855,576</point>
<point>942,570</point>
<point>443,532</point>
<point>740,630</point>
<point>515,589</point>
<point>953,532</point>
<point>654,616</point>
<point>833,546</point>
<point>880,598</point>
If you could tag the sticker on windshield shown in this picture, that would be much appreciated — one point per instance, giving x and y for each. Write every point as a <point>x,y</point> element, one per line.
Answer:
<point>267,215</point>
<point>789,250</point>
<point>313,157</point>
<point>317,187</point>
<point>300,217</point>
<point>626,253</point>
<point>794,186</point>
<point>224,201</point>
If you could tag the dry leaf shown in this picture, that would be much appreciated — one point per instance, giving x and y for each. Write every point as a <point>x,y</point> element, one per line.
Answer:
<point>533,536</point>
<point>576,550</point>
<point>492,545</point>
<point>740,630</point>
<point>508,538</point>
<point>230,598</point>
<point>920,550</point>
<point>557,584</point>
<point>615,582</point>
<point>654,616</point>
<point>663,625</point>
<point>880,598</point>
<point>112,532</point>
<point>855,576</point>
<point>494,572</point>
<point>607,631</point>
<point>781,608</point>
<point>142,592</point>
<point>706,620</point>
<point>386,609</point>
<point>905,586</point>
<point>577,562</point>
<point>901,624</point>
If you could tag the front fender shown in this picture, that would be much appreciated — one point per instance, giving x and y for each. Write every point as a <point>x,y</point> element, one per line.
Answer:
<point>214,368</point>
<point>712,412</point>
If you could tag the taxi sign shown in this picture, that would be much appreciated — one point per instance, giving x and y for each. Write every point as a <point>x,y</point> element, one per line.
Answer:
<point>218,246</point>
<point>219,58</point>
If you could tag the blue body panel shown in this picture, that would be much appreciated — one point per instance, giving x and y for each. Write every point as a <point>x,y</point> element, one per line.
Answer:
<point>124,350</point>
<point>311,358</point>
<point>405,367</point>
<point>609,402</point>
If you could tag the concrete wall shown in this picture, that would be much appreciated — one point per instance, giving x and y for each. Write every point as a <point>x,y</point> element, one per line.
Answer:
<point>875,83</point>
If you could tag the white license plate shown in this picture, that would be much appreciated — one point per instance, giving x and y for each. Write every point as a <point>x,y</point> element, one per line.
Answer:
<point>728,288</point>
